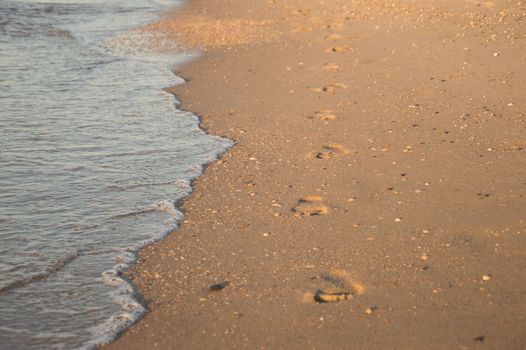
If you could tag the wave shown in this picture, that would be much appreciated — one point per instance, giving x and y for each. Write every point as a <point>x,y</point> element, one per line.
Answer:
<point>55,267</point>
<point>25,22</point>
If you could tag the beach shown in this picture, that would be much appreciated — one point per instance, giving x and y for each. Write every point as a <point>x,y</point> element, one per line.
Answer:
<point>375,195</point>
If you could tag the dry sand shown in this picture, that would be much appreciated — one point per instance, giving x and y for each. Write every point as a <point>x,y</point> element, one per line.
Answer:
<point>375,198</point>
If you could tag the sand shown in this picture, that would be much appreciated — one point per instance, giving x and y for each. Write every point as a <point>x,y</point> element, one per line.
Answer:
<point>375,197</point>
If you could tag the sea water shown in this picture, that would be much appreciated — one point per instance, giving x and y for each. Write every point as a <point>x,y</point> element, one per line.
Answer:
<point>94,156</point>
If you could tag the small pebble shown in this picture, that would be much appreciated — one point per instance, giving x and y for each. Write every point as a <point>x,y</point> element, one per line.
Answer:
<point>398,219</point>
<point>480,338</point>
<point>486,278</point>
<point>218,286</point>
<point>370,310</point>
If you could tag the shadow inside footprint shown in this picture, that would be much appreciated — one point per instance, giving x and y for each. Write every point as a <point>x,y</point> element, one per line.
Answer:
<point>338,286</point>
<point>310,206</point>
<point>326,297</point>
<point>329,151</point>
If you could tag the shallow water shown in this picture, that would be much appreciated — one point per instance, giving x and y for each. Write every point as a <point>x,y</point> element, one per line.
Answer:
<point>93,156</point>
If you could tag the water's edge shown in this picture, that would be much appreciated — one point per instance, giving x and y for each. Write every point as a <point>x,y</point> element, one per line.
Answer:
<point>127,275</point>
<point>100,158</point>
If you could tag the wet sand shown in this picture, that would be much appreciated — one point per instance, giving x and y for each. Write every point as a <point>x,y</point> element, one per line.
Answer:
<point>375,197</point>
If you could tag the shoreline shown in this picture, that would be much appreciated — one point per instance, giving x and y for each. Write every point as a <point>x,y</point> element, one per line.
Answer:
<point>351,184</point>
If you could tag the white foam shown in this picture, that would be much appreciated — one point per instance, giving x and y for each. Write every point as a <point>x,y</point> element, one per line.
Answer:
<point>184,185</point>
<point>167,206</point>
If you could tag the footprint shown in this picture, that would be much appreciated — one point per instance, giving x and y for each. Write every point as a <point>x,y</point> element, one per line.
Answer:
<point>331,66</point>
<point>325,115</point>
<point>329,151</point>
<point>333,37</point>
<point>336,286</point>
<point>331,89</point>
<point>487,4</point>
<point>310,206</point>
<point>301,30</point>
<point>337,25</point>
<point>338,49</point>
<point>328,297</point>
<point>299,12</point>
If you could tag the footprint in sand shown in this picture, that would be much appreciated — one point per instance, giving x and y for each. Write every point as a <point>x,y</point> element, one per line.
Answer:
<point>338,49</point>
<point>331,89</point>
<point>333,37</point>
<point>301,30</point>
<point>336,25</point>
<point>487,4</point>
<point>310,206</point>
<point>325,115</point>
<point>299,12</point>
<point>331,67</point>
<point>333,287</point>
<point>329,151</point>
